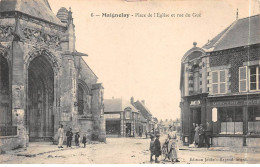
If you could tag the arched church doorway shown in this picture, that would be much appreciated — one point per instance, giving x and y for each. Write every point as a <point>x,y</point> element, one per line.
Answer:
<point>40,117</point>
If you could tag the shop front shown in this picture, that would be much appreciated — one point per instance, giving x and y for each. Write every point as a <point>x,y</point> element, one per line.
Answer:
<point>113,124</point>
<point>235,120</point>
<point>193,113</point>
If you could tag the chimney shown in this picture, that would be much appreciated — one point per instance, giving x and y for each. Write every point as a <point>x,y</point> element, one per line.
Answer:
<point>143,101</point>
<point>132,100</point>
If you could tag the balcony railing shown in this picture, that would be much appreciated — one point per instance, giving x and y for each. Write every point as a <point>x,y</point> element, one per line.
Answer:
<point>8,130</point>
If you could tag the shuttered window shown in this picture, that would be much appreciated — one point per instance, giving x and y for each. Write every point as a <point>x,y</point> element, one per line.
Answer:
<point>242,79</point>
<point>254,79</point>
<point>219,82</point>
<point>215,82</point>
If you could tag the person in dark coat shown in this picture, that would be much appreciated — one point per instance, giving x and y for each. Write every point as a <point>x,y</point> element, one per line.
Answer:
<point>152,147</point>
<point>201,135</point>
<point>208,134</point>
<point>77,136</point>
<point>192,134</point>
<point>69,135</point>
<point>157,148</point>
<point>84,140</point>
<point>196,136</point>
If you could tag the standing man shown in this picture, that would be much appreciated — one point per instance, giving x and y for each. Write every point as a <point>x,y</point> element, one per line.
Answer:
<point>61,136</point>
<point>157,148</point>
<point>201,135</point>
<point>69,135</point>
<point>192,134</point>
<point>208,134</point>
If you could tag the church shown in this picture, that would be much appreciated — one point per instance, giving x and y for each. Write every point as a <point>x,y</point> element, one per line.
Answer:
<point>44,80</point>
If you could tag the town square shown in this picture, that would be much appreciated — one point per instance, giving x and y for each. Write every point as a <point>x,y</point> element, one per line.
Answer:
<point>129,82</point>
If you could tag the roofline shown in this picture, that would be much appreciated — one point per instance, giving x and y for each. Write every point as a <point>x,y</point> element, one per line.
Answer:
<point>211,49</point>
<point>193,49</point>
<point>248,17</point>
<point>225,33</point>
<point>243,46</point>
<point>88,67</point>
<point>37,18</point>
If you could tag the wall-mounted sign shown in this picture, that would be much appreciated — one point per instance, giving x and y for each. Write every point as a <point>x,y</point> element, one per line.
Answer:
<point>112,116</point>
<point>214,114</point>
<point>195,102</point>
<point>235,102</point>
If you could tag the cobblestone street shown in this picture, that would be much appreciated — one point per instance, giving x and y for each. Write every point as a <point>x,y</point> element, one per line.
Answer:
<point>121,151</point>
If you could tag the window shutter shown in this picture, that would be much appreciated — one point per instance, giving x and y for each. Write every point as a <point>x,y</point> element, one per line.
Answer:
<point>215,82</point>
<point>242,79</point>
<point>222,86</point>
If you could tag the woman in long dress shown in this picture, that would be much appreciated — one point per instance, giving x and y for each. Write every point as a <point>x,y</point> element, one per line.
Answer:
<point>172,146</point>
<point>196,137</point>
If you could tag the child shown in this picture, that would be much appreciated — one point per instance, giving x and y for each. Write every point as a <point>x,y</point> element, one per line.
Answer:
<point>152,148</point>
<point>77,136</point>
<point>84,140</point>
<point>157,148</point>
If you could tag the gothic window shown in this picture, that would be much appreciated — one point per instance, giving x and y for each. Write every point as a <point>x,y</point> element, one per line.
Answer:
<point>196,80</point>
<point>5,113</point>
<point>80,100</point>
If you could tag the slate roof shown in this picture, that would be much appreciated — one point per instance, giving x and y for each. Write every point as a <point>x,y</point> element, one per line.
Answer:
<point>118,104</point>
<point>143,109</point>
<point>242,32</point>
<point>36,8</point>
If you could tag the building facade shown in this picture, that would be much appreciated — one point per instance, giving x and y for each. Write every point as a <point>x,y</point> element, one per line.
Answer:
<point>220,85</point>
<point>44,81</point>
<point>150,123</point>
<point>122,118</point>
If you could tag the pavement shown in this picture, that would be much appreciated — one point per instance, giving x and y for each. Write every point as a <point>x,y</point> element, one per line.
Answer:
<point>123,151</point>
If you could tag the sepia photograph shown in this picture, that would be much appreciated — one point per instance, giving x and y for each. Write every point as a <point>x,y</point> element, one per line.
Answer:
<point>130,82</point>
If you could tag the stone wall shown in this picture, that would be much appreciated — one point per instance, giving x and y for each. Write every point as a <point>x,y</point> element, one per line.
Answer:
<point>227,141</point>
<point>85,127</point>
<point>9,143</point>
<point>253,142</point>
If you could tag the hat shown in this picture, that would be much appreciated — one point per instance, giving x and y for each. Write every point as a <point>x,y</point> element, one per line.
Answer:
<point>157,135</point>
<point>152,136</point>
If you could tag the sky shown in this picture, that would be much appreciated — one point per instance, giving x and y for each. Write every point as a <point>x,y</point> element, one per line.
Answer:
<point>141,56</point>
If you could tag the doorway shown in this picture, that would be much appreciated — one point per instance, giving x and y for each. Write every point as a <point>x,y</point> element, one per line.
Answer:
<point>128,129</point>
<point>40,99</point>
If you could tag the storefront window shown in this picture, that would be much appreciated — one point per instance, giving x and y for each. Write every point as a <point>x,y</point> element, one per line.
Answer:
<point>231,120</point>
<point>253,120</point>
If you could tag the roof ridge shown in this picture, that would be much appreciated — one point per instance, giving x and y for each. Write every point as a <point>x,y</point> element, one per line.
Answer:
<point>249,17</point>
<point>225,33</point>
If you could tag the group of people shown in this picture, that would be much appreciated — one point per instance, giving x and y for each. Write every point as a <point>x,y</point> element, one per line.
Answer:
<point>201,133</point>
<point>170,144</point>
<point>69,135</point>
